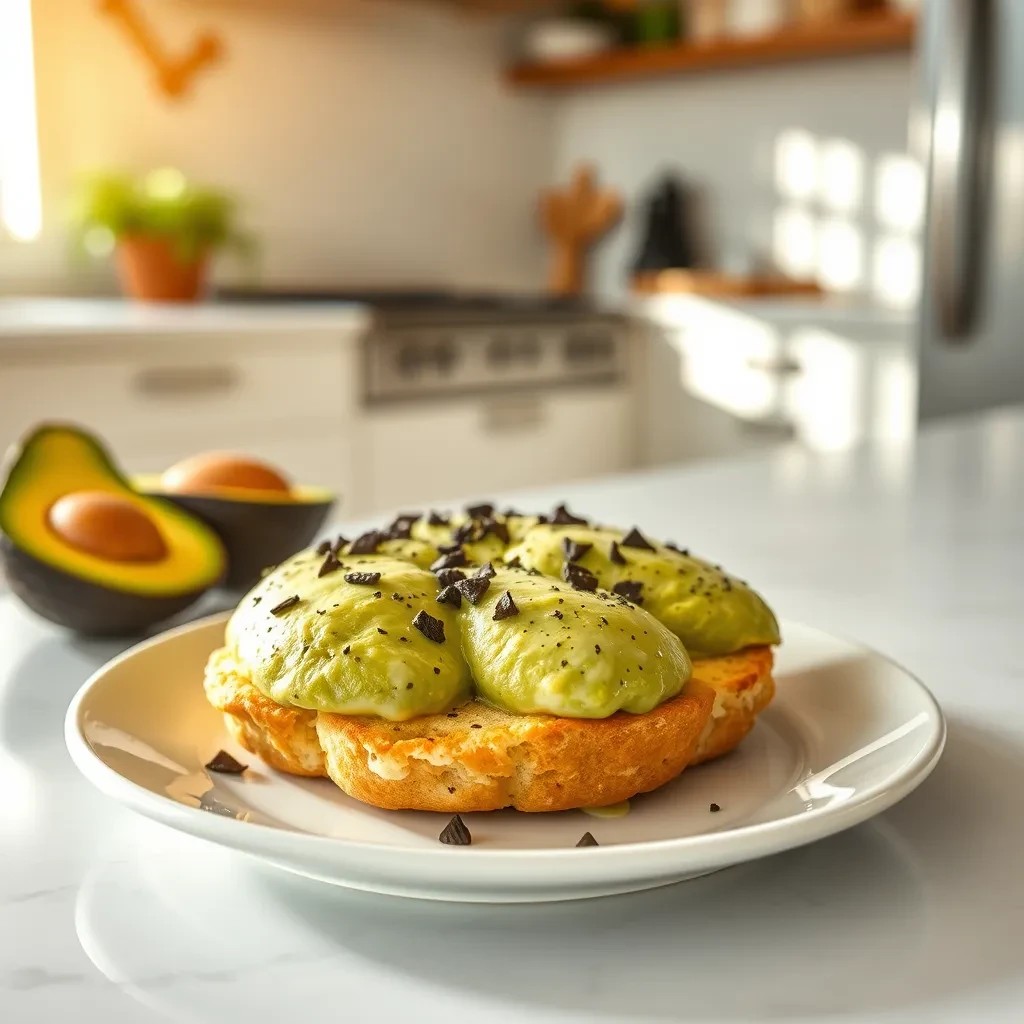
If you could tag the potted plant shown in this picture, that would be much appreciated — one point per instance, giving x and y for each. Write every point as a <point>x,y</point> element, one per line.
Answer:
<point>161,229</point>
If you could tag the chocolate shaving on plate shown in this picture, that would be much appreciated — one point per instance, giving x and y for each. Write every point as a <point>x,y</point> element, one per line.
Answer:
<point>225,764</point>
<point>431,628</point>
<point>505,608</point>
<point>579,578</point>
<point>587,839</point>
<point>455,833</point>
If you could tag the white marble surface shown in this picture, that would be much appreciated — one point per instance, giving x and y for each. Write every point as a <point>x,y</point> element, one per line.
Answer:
<point>916,916</point>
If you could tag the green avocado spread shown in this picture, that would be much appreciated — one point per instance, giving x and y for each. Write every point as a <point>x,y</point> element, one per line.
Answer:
<point>570,620</point>
<point>712,612</point>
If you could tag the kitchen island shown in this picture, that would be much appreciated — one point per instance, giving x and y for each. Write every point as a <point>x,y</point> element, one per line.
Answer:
<point>916,549</point>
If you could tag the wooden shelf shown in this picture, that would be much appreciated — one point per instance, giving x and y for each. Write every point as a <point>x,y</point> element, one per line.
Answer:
<point>846,37</point>
<point>713,284</point>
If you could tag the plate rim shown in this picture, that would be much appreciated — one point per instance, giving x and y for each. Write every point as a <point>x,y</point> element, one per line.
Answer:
<point>721,848</point>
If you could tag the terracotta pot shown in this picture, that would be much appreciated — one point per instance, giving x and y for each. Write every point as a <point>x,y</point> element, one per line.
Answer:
<point>151,271</point>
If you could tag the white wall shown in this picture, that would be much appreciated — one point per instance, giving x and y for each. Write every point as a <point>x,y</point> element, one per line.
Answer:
<point>720,131</point>
<point>371,141</point>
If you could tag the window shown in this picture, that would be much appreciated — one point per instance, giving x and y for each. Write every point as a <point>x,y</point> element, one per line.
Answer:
<point>21,212</point>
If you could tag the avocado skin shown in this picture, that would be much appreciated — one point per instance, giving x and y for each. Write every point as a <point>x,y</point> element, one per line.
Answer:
<point>81,606</point>
<point>254,534</point>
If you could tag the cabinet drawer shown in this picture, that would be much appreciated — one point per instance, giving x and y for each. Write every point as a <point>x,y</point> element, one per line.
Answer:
<point>153,388</point>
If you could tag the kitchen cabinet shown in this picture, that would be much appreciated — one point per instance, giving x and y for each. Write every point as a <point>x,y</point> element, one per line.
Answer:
<point>421,453</point>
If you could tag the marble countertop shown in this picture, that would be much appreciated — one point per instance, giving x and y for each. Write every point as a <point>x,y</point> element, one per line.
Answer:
<point>915,916</point>
<point>103,318</point>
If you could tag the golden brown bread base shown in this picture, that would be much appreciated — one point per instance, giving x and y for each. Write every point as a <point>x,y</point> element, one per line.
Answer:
<point>532,762</point>
<point>743,686</point>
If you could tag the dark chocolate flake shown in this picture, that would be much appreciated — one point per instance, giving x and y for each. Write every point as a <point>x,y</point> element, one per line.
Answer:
<point>497,529</point>
<point>448,577</point>
<point>485,510</point>
<point>616,555</point>
<point>505,608</point>
<point>563,517</point>
<point>330,564</point>
<point>587,840</point>
<point>450,596</point>
<point>363,579</point>
<point>635,539</point>
<point>366,543</point>
<point>436,519</point>
<point>288,602</point>
<point>631,590</point>
<point>223,763</point>
<point>323,547</point>
<point>574,549</point>
<point>455,833</point>
<point>451,560</point>
<point>578,577</point>
<point>339,542</point>
<point>474,588</point>
<point>431,628</point>
<point>486,571</point>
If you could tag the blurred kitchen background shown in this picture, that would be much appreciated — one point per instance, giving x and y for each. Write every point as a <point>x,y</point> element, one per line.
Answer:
<point>486,245</point>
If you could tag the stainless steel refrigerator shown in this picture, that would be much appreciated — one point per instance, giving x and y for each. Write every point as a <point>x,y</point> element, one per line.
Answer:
<point>969,122</point>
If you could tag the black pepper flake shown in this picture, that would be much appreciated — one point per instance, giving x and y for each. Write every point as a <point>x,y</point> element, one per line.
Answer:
<point>635,539</point>
<point>436,519</point>
<point>437,672</point>
<point>257,599</point>
<point>323,547</point>
<point>363,579</point>
<point>330,564</point>
<point>288,602</point>
<point>366,543</point>
<point>447,577</point>
<point>616,555</point>
<point>574,550</point>
<point>714,808</point>
<point>505,608</point>
<point>223,763</point>
<point>404,639</point>
<point>485,510</point>
<point>474,588</point>
<point>450,596</point>
<point>451,789</point>
<point>431,628</point>
<point>486,571</point>
<point>564,662</point>
<point>597,648</point>
<point>578,577</point>
<point>451,560</point>
<point>631,590</point>
<point>408,686</point>
<point>587,840</point>
<point>557,614</point>
<point>383,632</point>
<point>455,833</point>
<point>563,517</point>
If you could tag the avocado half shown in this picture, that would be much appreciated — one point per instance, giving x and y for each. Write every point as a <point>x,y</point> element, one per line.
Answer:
<point>257,528</point>
<point>78,589</point>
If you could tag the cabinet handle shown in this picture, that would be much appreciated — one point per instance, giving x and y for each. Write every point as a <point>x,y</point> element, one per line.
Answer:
<point>186,381</point>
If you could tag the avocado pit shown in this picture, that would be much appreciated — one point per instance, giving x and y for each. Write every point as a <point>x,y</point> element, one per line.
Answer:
<point>107,526</point>
<point>212,472</point>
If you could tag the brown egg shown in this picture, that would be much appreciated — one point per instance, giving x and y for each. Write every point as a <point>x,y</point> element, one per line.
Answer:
<point>107,526</point>
<point>208,473</point>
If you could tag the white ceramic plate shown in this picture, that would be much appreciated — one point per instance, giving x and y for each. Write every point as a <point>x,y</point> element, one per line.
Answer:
<point>848,735</point>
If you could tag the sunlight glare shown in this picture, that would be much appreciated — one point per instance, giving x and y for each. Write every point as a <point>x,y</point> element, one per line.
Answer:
<point>796,164</point>
<point>899,192</point>
<point>840,255</point>
<point>842,176</point>
<point>795,242</point>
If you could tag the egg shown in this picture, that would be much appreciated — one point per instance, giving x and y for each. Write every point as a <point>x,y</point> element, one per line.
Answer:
<point>213,471</point>
<point>108,526</point>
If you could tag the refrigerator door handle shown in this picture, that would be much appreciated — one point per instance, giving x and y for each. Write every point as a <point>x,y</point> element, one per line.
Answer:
<point>956,164</point>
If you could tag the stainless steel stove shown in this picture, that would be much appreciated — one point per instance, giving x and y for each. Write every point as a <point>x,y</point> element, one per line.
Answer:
<point>431,344</point>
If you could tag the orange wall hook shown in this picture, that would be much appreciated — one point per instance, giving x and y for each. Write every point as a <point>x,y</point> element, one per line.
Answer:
<point>174,74</point>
